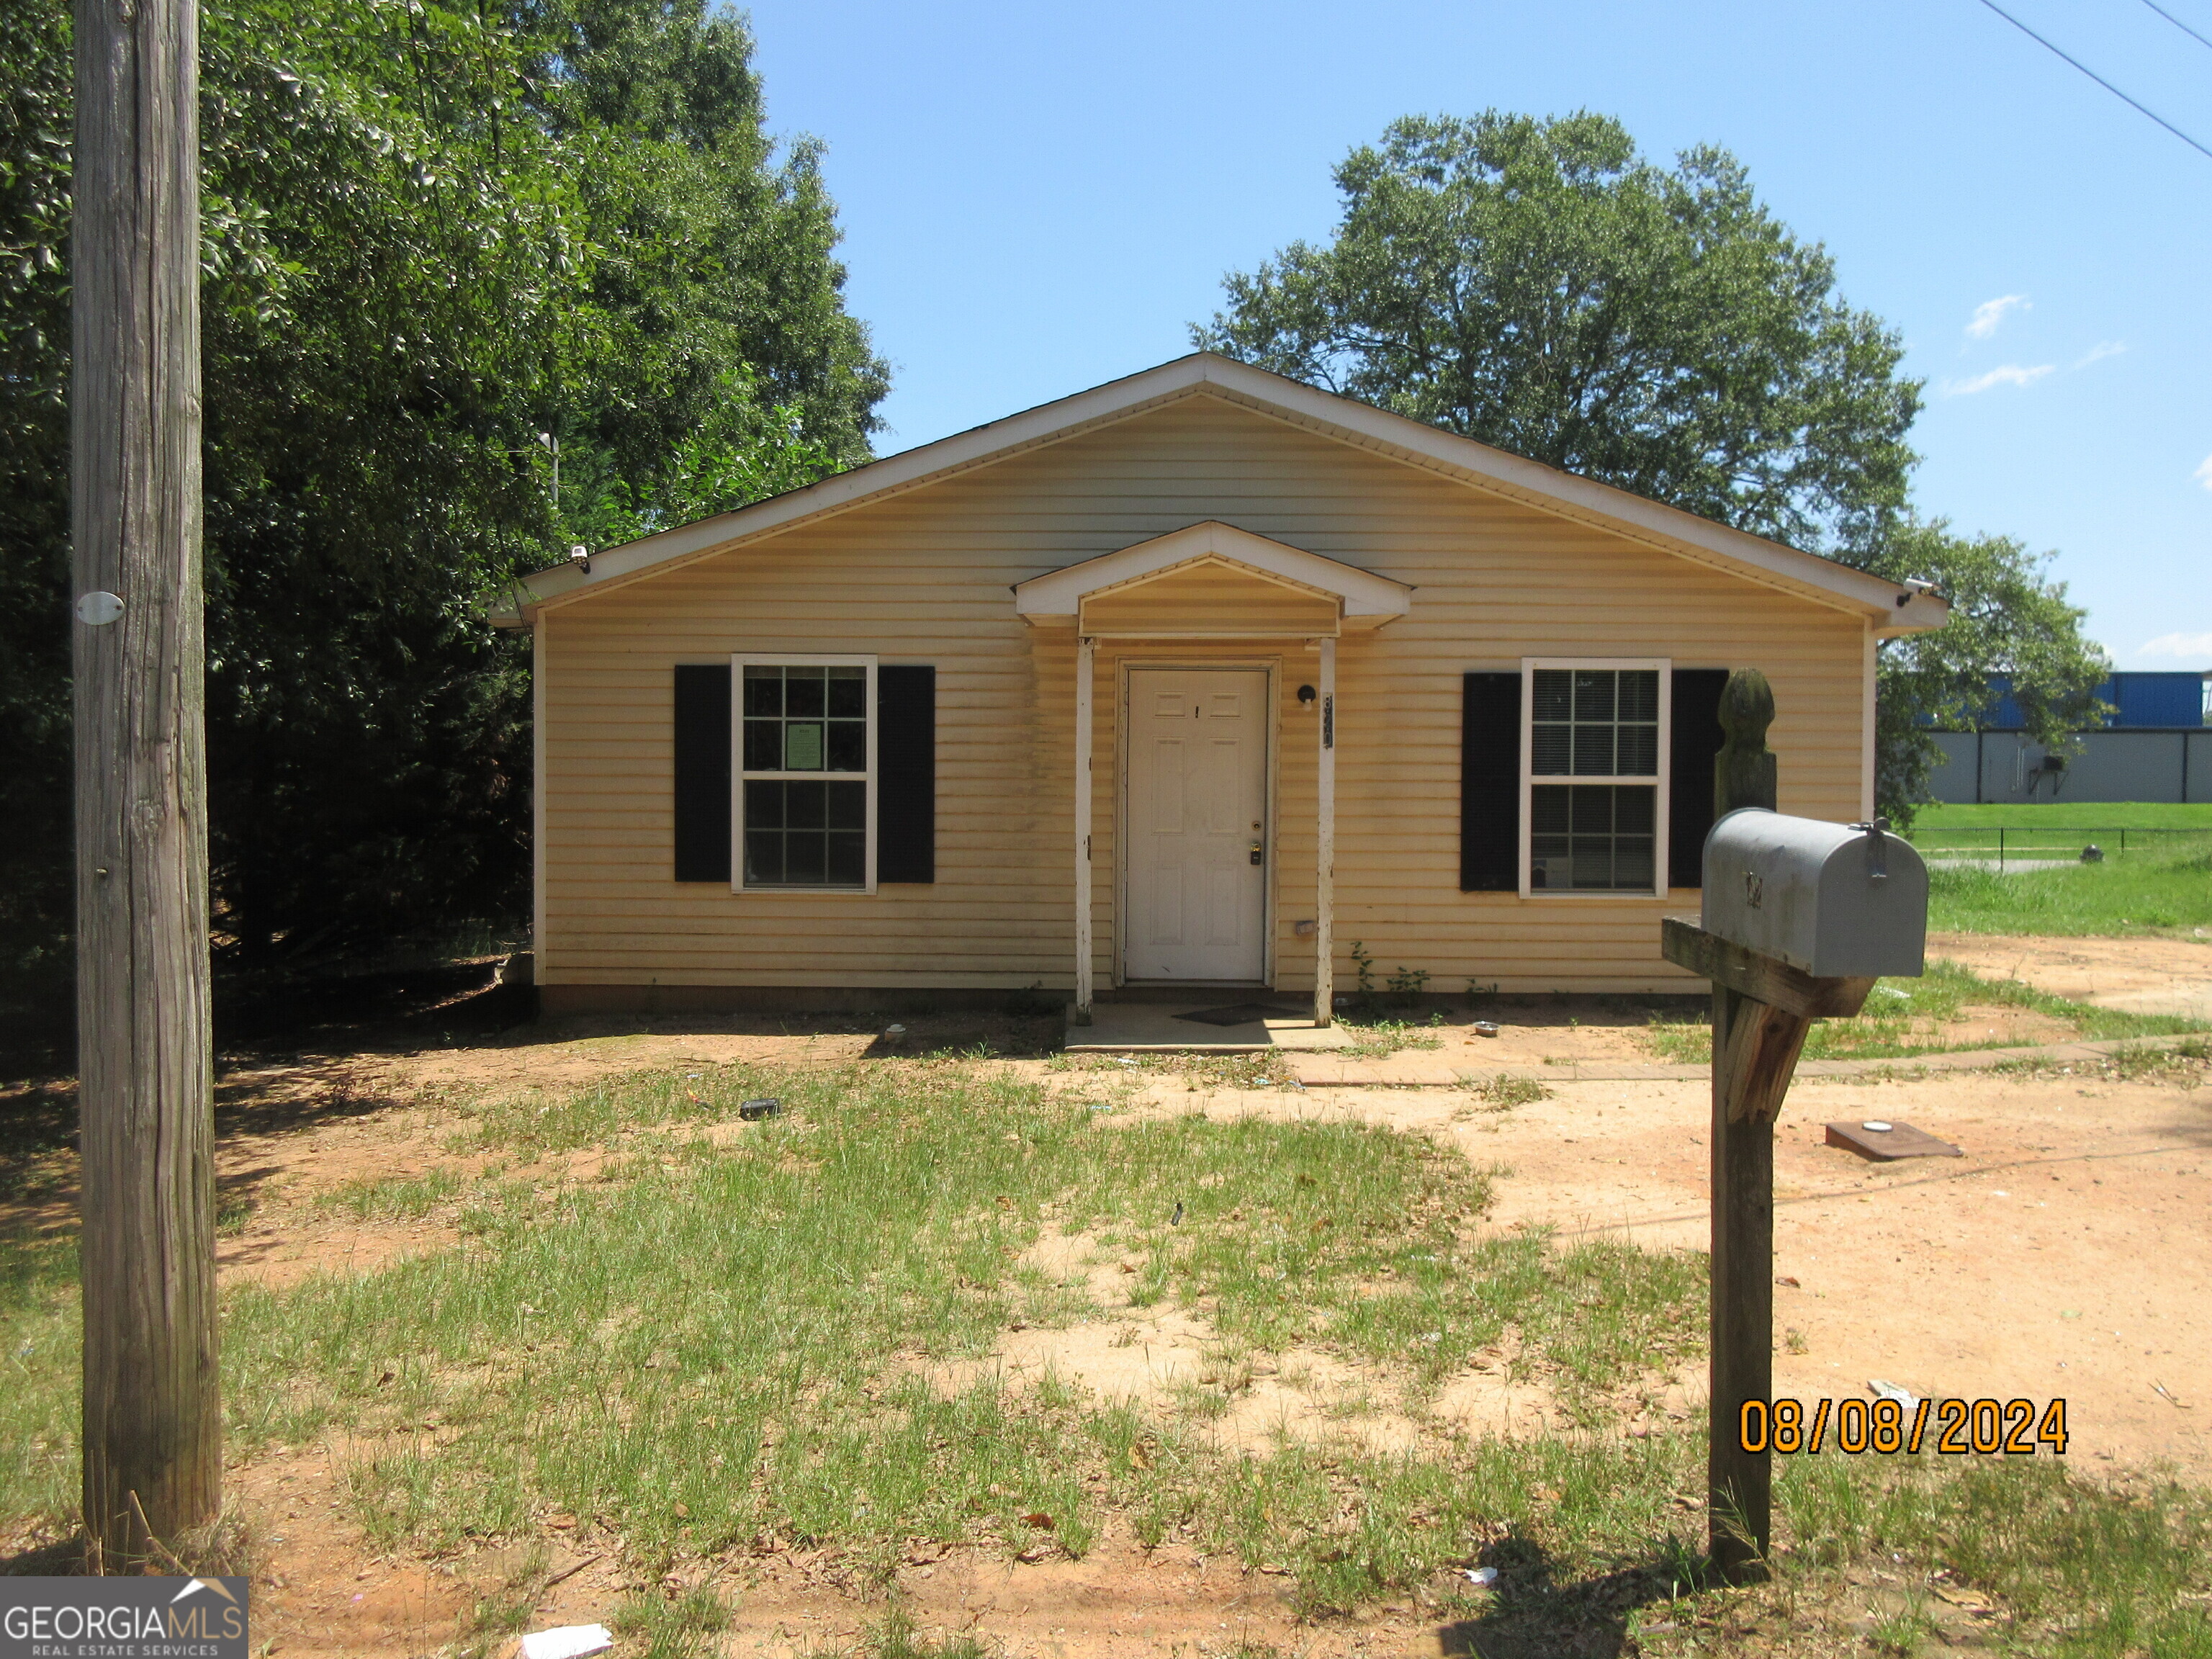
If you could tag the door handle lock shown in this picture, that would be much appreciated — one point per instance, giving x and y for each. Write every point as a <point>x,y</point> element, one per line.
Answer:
<point>1258,857</point>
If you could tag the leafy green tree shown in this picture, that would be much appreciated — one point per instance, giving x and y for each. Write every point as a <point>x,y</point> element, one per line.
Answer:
<point>36,890</point>
<point>1538,285</point>
<point>2006,619</point>
<point>430,235</point>
<point>716,300</point>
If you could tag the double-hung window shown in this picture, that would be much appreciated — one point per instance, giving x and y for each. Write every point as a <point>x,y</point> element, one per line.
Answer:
<point>807,773</point>
<point>1593,744</point>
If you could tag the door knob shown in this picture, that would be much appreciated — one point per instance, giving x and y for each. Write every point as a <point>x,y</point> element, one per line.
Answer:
<point>1256,857</point>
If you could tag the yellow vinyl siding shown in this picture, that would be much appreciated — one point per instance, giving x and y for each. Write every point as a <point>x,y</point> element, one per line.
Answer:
<point>926,577</point>
<point>1208,600</point>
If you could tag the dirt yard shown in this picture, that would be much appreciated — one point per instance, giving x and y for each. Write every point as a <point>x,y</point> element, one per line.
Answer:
<point>2144,975</point>
<point>2064,1255</point>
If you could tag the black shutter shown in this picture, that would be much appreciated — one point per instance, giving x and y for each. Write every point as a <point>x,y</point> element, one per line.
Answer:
<point>1697,739</point>
<point>702,772</point>
<point>1490,784</point>
<point>906,773</point>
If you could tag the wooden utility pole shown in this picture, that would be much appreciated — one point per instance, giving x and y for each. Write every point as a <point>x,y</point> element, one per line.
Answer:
<point>152,1416</point>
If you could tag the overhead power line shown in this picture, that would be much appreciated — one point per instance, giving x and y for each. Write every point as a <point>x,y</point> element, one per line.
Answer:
<point>2140,109</point>
<point>2178,23</point>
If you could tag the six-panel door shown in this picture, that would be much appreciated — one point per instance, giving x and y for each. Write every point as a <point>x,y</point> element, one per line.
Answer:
<point>1197,878</point>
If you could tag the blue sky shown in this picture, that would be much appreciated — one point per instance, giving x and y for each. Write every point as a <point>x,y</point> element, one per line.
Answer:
<point>1040,197</point>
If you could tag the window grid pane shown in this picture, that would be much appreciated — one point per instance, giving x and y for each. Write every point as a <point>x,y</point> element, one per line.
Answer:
<point>1594,723</point>
<point>814,719</point>
<point>805,720</point>
<point>806,835</point>
<point>1593,836</point>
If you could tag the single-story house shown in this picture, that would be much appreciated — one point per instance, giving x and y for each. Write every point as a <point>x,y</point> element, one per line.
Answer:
<point>1203,677</point>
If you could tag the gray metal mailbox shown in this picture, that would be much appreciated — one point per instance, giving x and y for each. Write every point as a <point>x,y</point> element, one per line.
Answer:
<point>1832,899</point>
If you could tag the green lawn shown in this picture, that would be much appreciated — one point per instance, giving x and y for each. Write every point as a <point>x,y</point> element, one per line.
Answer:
<point>2168,889</point>
<point>2067,815</point>
<point>2158,879</point>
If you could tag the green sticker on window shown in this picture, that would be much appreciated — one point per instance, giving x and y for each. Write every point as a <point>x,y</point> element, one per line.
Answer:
<point>802,747</point>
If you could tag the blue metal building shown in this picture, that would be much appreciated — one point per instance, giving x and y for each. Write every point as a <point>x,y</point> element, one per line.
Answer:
<point>2157,746</point>
<point>2159,699</point>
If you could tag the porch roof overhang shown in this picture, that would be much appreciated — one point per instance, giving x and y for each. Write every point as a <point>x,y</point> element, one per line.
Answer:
<point>1211,581</point>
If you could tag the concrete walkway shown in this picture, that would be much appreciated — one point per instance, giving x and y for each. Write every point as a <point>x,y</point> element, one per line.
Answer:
<point>1141,1028</point>
<point>1414,1068</point>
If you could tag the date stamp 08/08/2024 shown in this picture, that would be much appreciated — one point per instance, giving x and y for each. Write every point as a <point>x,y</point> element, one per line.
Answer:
<point>1955,1428</point>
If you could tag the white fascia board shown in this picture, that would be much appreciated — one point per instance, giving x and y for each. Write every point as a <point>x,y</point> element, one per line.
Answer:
<point>1060,592</point>
<point>1666,528</point>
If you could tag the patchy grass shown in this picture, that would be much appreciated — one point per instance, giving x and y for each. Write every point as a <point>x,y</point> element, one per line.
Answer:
<point>2188,1064</point>
<point>897,1636</point>
<point>1507,1089</point>
<point>719,1336</point>
<point>40,1358</point>
<point>2069,1567</point>
<point>392,1198</point>
<point>722,1333</point>
<point>1902,1016</point>
<point>1376,1038</point>
<point>672,1627</point>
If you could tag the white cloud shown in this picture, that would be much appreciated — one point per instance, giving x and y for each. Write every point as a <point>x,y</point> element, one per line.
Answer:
<point>1988,314</point>
<point>2199,645</point>
<point>2099,352</point>
<point>2003,374</point>
<point>2204,474</point>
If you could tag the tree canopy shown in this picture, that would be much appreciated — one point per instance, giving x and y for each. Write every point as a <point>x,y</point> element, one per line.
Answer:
<point>1538,285</point>
<point>436,241</point>
<point>2008,618</point>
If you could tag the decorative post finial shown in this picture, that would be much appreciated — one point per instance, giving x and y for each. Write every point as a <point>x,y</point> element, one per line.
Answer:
<point>1743,772</point>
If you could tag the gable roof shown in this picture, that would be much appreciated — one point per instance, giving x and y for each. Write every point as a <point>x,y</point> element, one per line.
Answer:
<point>1058,595</point>
<point>1894,608</point>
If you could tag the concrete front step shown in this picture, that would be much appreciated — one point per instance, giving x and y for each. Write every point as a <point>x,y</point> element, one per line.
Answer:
<point>1153,1028</point>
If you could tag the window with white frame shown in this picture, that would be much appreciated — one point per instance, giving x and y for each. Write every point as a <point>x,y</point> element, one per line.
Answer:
<point>1593,746</point>
<point>807,772</point>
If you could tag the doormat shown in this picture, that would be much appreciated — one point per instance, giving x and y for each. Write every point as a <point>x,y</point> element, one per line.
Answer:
<point>1244,1013</point>
<point>1885,1142</point>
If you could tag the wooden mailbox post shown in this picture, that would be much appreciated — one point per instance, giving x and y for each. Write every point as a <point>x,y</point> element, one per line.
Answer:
<point>1763,1006</point>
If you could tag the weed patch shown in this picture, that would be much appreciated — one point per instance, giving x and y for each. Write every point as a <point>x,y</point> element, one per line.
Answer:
<point>1507,1089</point>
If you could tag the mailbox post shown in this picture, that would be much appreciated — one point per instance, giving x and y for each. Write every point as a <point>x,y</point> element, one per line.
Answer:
<point>1799,918</point>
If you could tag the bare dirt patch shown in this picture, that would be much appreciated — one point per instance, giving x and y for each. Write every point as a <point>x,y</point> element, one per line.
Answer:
<point>2143,976</point>
<point>2064,1255</point>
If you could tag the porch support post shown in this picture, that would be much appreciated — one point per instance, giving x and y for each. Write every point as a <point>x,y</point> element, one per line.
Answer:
<point>1085,660</point>
<point>1325,845</point>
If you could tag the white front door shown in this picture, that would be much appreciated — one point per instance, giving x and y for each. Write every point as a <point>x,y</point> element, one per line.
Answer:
<point>1197,881</point>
